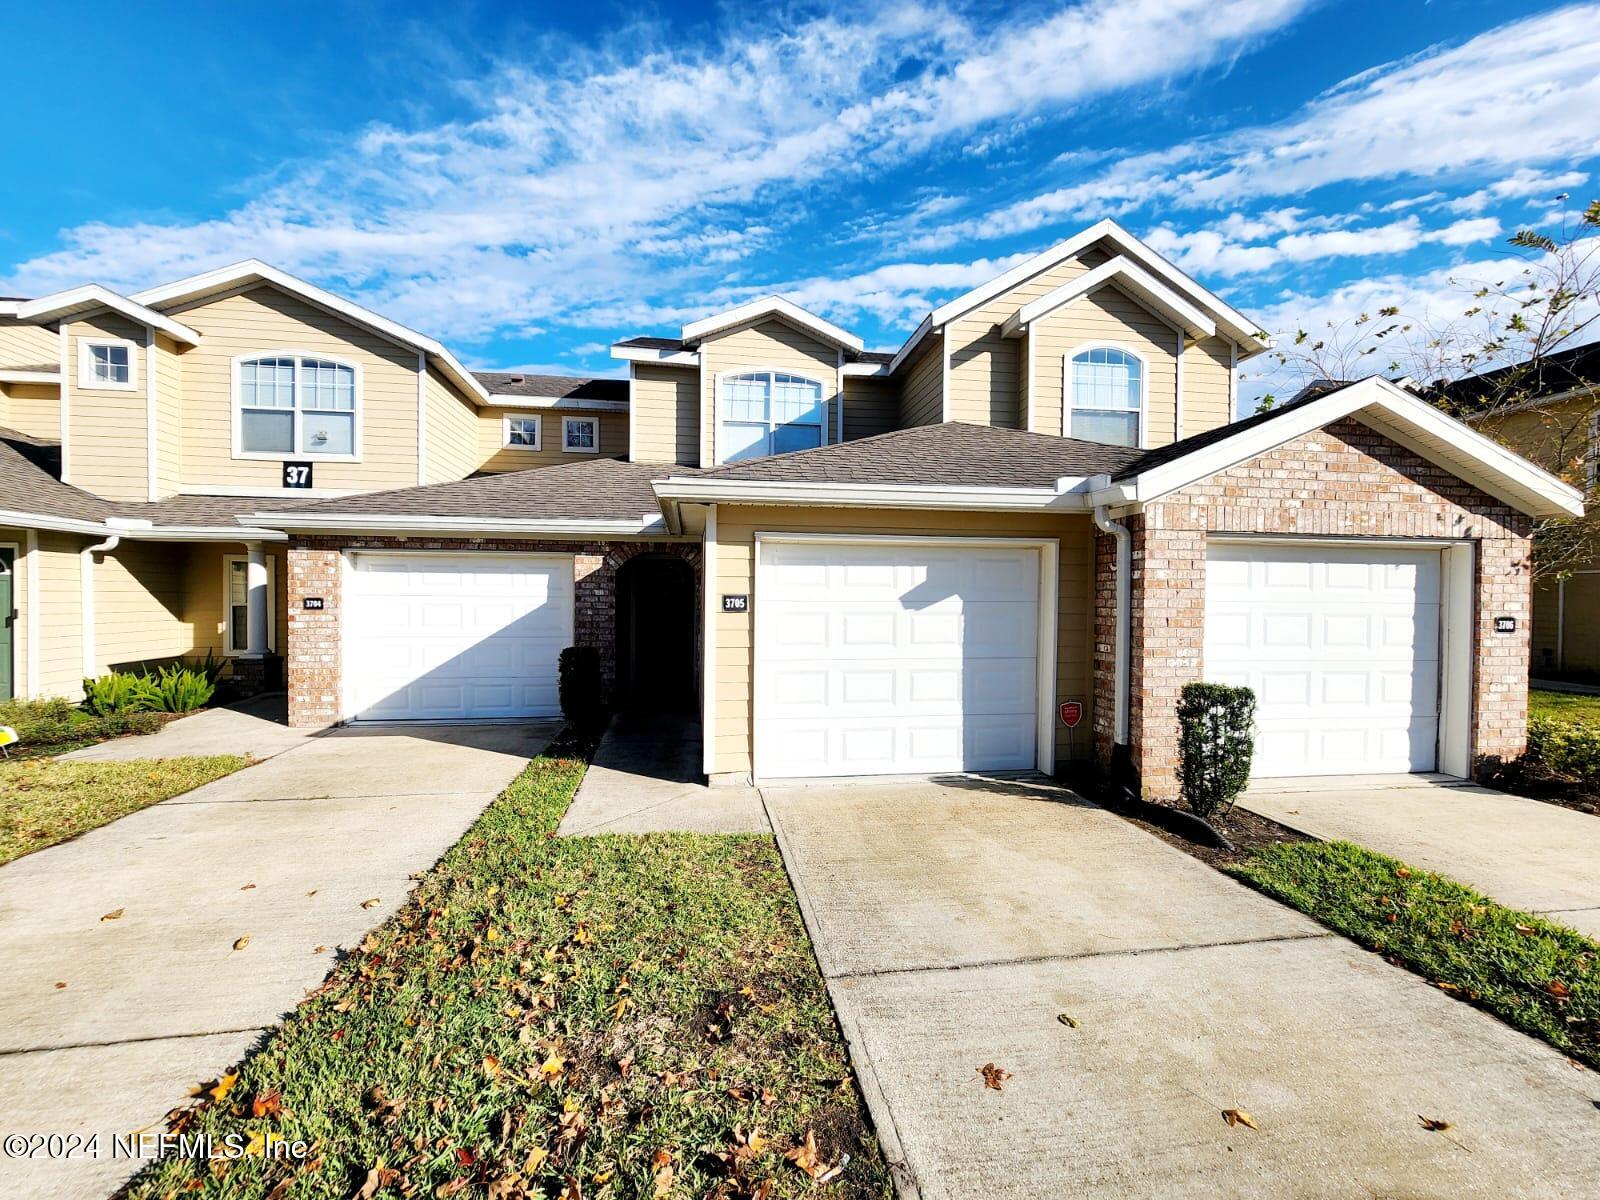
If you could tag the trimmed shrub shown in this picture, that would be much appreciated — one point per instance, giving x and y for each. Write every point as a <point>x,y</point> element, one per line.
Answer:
<point>1566,747</point>
<point>120,692</point>
<point>1216,741</point>
<point>582,697</point>
<point>180,690</point>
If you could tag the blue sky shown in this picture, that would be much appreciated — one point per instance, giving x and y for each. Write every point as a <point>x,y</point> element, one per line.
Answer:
<point>528,183</point>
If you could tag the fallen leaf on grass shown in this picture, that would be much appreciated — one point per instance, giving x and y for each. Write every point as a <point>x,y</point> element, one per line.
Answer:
<point>380,1177</point>
<point>1069,1022</point>
<point>1238,1116</point>
<point>240,942</point>
<point>993,1076</point>
<point>373,903</point>
<point>553,1066</point>
<point>804,1156</point>
<point>535,1160</point>
<point>114,915</point>
<point>1403,872</point>
<point>1558,989</point>
<point>1524,930</point>
<point>1434,1124</point>
<point>267,1104</point>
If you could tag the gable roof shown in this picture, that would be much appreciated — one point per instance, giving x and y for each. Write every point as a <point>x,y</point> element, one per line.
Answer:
<point>251,270</point>
<point>1390,410</point>
<point>92,297</point>
<point>1548,378</point>
<point>1132,279</point>
<point>509,385</point>
<point>772,306</point>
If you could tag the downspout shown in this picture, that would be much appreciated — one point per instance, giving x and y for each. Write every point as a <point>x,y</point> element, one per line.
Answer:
<point>86,593</point>
<point>1124,619</point>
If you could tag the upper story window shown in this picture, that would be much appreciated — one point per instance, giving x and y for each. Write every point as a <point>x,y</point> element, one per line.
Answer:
<point>106,363</point>
<point>767,412</point>
<point>520,431</point>
<point>294,404</point>
<point>580,435</point>
<point>1105,387</point>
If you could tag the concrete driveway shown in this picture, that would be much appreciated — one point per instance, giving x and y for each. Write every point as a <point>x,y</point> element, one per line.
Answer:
<point>105,1024</point>
<point>955,921</point>
<point>1530,855</point>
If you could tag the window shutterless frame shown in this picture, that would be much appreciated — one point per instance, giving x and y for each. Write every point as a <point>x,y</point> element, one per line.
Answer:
<point>100,359</point>
<point>771,379</point>
<point>1140,414</point>
<point>587,432</point>
<point>302,360</point>
<point>514,425</point>
<point>230,627</point>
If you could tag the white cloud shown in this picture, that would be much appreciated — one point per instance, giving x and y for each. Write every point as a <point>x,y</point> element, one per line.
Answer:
<point>1522,94</point>
<point>1234,246</point>
<point>1523,184</point>
<point>582,186</point>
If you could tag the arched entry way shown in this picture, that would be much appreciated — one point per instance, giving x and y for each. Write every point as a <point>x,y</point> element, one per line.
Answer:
<point>656,634</point>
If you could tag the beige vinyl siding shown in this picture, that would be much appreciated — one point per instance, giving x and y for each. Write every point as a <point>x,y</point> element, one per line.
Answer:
<point>204,597</point>
<point>734,567</point>
<point>1106,317</point>
<point>1577,645</point>
<point>454,451</point>
<point>871,406</point>
<point>986,369</point>
<point>169,416</point>
<point>774,344</point>
<point>31,408</point>
<point>107,427</point>
<point>496,456</point>
<point>28,345</point>
<point>666,419</point>
<point>1207,386</point>
<point>60,616</point>
<point>262,319</point>
<point>922,392</point>
<point>138,604</point>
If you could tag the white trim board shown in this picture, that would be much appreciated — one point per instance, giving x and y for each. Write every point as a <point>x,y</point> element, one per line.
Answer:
<point>776,307</point>
<point>1128,277</point>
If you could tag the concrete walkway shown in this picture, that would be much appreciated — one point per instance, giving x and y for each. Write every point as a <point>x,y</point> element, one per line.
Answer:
<point>955,922</point>
<point>645,778</point>
<point>105,1024</point>
<point>1530,855</point>
<point>255,728</point>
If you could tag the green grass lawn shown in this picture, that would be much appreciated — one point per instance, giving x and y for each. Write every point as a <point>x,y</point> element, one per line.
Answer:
<point>49,727</point>
<point>44,801</point>
<point>1535,975</point>
<point>1569,706</point>
<point>596,1017</point>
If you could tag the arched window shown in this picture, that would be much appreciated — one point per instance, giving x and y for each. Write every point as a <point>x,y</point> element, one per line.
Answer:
<point>294,404</point>
<point>1105,390</point>
<point>767,412</point>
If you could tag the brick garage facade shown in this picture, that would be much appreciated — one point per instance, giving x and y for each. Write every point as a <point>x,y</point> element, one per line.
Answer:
<point>315,658</point>
<point>1345,480</point>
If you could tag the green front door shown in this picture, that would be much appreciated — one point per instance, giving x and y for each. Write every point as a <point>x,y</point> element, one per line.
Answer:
<point>8,623</point>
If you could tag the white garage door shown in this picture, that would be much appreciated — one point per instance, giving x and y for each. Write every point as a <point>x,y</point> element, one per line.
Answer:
<point>451,637</point>
<point>1341,645</point>
<point>876,658</point>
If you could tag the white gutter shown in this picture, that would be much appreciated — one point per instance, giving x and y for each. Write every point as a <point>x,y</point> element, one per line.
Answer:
<point>384,523</point>
<point>664,358</point>
<point>1066,496</point>
<point>27,520</point>
<point>1124,619</point>
<point>12,375</point>
<point>512,400</point>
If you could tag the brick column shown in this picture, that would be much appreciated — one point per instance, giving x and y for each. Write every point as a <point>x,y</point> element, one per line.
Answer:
<point>313,667</point>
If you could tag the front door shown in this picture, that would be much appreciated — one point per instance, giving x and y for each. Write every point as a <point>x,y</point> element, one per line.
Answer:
<point>8,623</point>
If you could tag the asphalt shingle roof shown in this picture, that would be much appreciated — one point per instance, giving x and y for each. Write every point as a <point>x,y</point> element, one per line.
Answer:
<point>26,486</point>
<point>598,489</point>
<point>953,454</point>
<point>552,387</point>
<point>1176,450</point>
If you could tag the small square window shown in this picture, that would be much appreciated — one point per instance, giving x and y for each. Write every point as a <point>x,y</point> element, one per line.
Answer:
<point>580,435</point>
<point>107,364</point>
<point>522,433</point>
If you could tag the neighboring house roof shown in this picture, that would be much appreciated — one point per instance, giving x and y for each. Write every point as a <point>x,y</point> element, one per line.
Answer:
<point>92,297</point>
<point>211,283</point>
<point>771,306</point>
<point>1554,376</point>
<point>950,453</point>
<point>602,495</point>
<point>552,387</point>
<point>652,343</point>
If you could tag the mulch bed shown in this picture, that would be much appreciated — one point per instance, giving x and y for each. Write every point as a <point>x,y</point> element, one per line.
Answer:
<point>1243,828</point>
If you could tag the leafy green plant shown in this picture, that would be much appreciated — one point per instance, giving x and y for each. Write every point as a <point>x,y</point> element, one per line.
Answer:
<point>1216,741</point>
<point>119,692</point>
<point>1566,746</point>
<point>180,690</point>
<point>582,696</point>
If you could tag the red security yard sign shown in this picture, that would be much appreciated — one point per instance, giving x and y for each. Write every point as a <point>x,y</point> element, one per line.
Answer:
<point>1071,713</point>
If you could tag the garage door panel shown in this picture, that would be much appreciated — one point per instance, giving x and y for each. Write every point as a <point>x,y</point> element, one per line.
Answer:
<point>457,637</point>
<point>1341,646</point>
<point>883,658</point>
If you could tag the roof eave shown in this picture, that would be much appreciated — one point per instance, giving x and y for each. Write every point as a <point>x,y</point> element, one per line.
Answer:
<point>414,523</point>
<point>1065,496</point>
